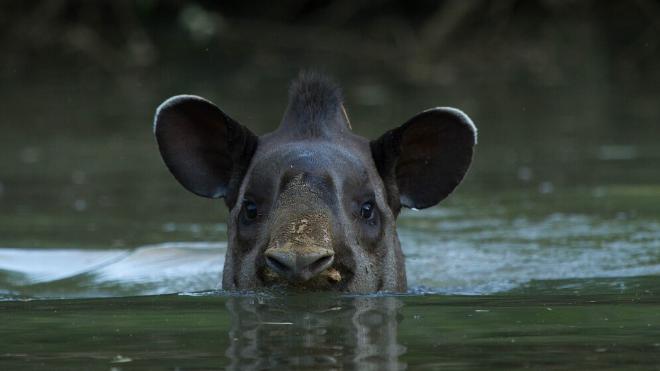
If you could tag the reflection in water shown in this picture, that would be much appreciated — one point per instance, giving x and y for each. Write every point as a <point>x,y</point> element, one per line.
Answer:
<point>308,331</point>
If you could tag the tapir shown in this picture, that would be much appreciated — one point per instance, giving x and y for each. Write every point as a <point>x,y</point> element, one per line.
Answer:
<point>313,206</point>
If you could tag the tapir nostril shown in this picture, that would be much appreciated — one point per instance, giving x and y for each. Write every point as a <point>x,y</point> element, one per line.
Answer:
<point>280,261</point>
<point>297,265</point>
<point>276,264</point>
<point>321,264</point>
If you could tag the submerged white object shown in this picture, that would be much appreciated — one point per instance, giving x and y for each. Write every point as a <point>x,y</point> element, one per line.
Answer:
<point>151,263</point>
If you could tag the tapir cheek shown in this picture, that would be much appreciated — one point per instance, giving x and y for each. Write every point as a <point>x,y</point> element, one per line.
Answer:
<point>371,232</point>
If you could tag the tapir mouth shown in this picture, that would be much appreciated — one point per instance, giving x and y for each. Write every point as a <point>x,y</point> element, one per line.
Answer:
<point>331,279</point>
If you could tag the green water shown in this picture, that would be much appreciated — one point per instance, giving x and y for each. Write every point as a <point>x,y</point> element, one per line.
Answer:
<point>547,257</point>
<point>255,332</point>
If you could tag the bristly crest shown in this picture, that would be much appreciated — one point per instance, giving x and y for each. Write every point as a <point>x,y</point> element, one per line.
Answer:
<point>315,105</point>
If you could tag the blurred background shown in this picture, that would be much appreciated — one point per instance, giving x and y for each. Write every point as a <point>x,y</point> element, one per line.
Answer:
<point>565,95</point>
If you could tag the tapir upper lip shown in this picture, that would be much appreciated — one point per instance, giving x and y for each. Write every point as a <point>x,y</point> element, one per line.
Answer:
<point>334,278</point>
<point>301,264</point>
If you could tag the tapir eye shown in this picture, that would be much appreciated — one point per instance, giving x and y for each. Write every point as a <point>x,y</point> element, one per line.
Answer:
<point>367,210</point>
<point>250,210</point>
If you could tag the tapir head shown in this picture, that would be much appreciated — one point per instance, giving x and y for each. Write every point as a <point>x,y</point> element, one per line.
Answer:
<point>314,206</point>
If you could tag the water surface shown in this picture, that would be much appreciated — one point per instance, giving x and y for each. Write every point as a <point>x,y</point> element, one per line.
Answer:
<point>548,256</point>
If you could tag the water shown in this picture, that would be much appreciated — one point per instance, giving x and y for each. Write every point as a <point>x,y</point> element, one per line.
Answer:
<point>448,251</point>
<point>548,256</point>
<point>257,332</point>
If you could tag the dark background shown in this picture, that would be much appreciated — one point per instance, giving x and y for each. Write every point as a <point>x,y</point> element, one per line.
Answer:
<point>565,95</point>
<point>545,42</point>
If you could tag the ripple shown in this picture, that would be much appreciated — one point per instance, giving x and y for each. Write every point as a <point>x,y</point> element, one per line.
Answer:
<point>476,256</point>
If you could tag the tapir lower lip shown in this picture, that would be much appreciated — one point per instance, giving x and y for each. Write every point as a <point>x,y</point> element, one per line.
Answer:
<point>300,277</point>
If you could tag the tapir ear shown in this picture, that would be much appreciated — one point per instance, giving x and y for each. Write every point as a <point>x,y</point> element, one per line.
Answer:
<point>423,160</point>
<point>206,150</point>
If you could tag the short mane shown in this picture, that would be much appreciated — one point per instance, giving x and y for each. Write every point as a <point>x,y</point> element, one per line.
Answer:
<point>315,105</point>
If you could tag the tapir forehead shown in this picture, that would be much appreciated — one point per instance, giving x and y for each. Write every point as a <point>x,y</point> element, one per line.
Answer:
<point>325,162</point>
<point>310,157</point>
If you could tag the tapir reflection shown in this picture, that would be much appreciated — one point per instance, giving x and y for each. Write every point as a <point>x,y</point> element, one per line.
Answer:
<point>307,331</point>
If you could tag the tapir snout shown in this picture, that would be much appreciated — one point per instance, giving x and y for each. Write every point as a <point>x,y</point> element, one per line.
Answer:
<point>301,243</point>
<point>299,264</point>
